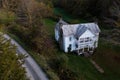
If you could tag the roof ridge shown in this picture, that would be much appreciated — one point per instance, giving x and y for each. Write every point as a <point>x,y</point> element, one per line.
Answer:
<point>69,29</point>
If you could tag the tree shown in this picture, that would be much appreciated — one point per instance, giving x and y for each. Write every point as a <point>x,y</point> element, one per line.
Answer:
<point>10,67</point>
<point>32,32</point>
<point>7,18</point>
<point>10,5</point>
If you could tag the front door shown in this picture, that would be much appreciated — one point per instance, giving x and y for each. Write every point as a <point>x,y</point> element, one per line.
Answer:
<point>69,48</point>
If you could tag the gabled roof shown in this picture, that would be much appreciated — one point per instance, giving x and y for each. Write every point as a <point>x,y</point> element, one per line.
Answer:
<point>77,29</point>
<point>69,29</point>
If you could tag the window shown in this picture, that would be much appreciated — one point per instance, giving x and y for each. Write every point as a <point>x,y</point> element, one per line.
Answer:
<point>87,39</point>
<point>70,38</point>
<point>69,48</point>
<point>76,45</point>
<point>81,40</point>
<point>77,38</point>
<point>90,40</point>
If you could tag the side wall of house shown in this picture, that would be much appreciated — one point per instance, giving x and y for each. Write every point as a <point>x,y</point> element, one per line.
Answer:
<point>96,39</point>
<point>69,43</point>
<point>56,35</point>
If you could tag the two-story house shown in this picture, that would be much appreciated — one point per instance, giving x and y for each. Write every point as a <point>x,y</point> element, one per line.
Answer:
<point>80,38</point>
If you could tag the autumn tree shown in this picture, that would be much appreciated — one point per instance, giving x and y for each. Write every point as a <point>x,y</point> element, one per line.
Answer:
<point>10,5</point>
<point>34,10</point>
<point>30,27</point>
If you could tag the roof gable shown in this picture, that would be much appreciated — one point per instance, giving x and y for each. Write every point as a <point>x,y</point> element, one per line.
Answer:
<point>77,29</point>
<point>87,33</point>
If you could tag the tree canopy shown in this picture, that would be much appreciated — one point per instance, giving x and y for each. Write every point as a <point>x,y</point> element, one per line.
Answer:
<point>10,67</point>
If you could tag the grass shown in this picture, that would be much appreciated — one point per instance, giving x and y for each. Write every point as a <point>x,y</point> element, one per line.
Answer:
<point>104,56</point>
<point>84,68</point>
<point>108,56</point>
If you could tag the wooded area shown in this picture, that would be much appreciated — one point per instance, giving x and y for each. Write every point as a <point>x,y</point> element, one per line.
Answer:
<point>26,20</point>
<point>107,11</point>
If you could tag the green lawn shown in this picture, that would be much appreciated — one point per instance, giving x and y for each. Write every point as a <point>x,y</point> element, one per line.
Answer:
<point>84,68</point>
<point>108,57</point>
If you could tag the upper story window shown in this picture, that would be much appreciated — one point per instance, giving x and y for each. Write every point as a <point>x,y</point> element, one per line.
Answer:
<point>70,39</point>
<point>81,40</point>
<point>90,39</point>
<point>76,45</point>
<point>87,39</point>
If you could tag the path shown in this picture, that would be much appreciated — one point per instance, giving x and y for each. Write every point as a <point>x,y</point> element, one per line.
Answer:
<point>97,66</point>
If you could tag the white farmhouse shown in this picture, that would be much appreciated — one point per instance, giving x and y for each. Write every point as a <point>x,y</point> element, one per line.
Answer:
<point>81,38</point>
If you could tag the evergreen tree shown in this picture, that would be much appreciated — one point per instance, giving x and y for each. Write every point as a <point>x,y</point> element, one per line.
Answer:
<point>10,65</point>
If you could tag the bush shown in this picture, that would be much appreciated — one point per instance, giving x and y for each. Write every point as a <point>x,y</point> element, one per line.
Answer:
<point>59,65</point>
<point>52,75</point>
<point>59,62</point>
